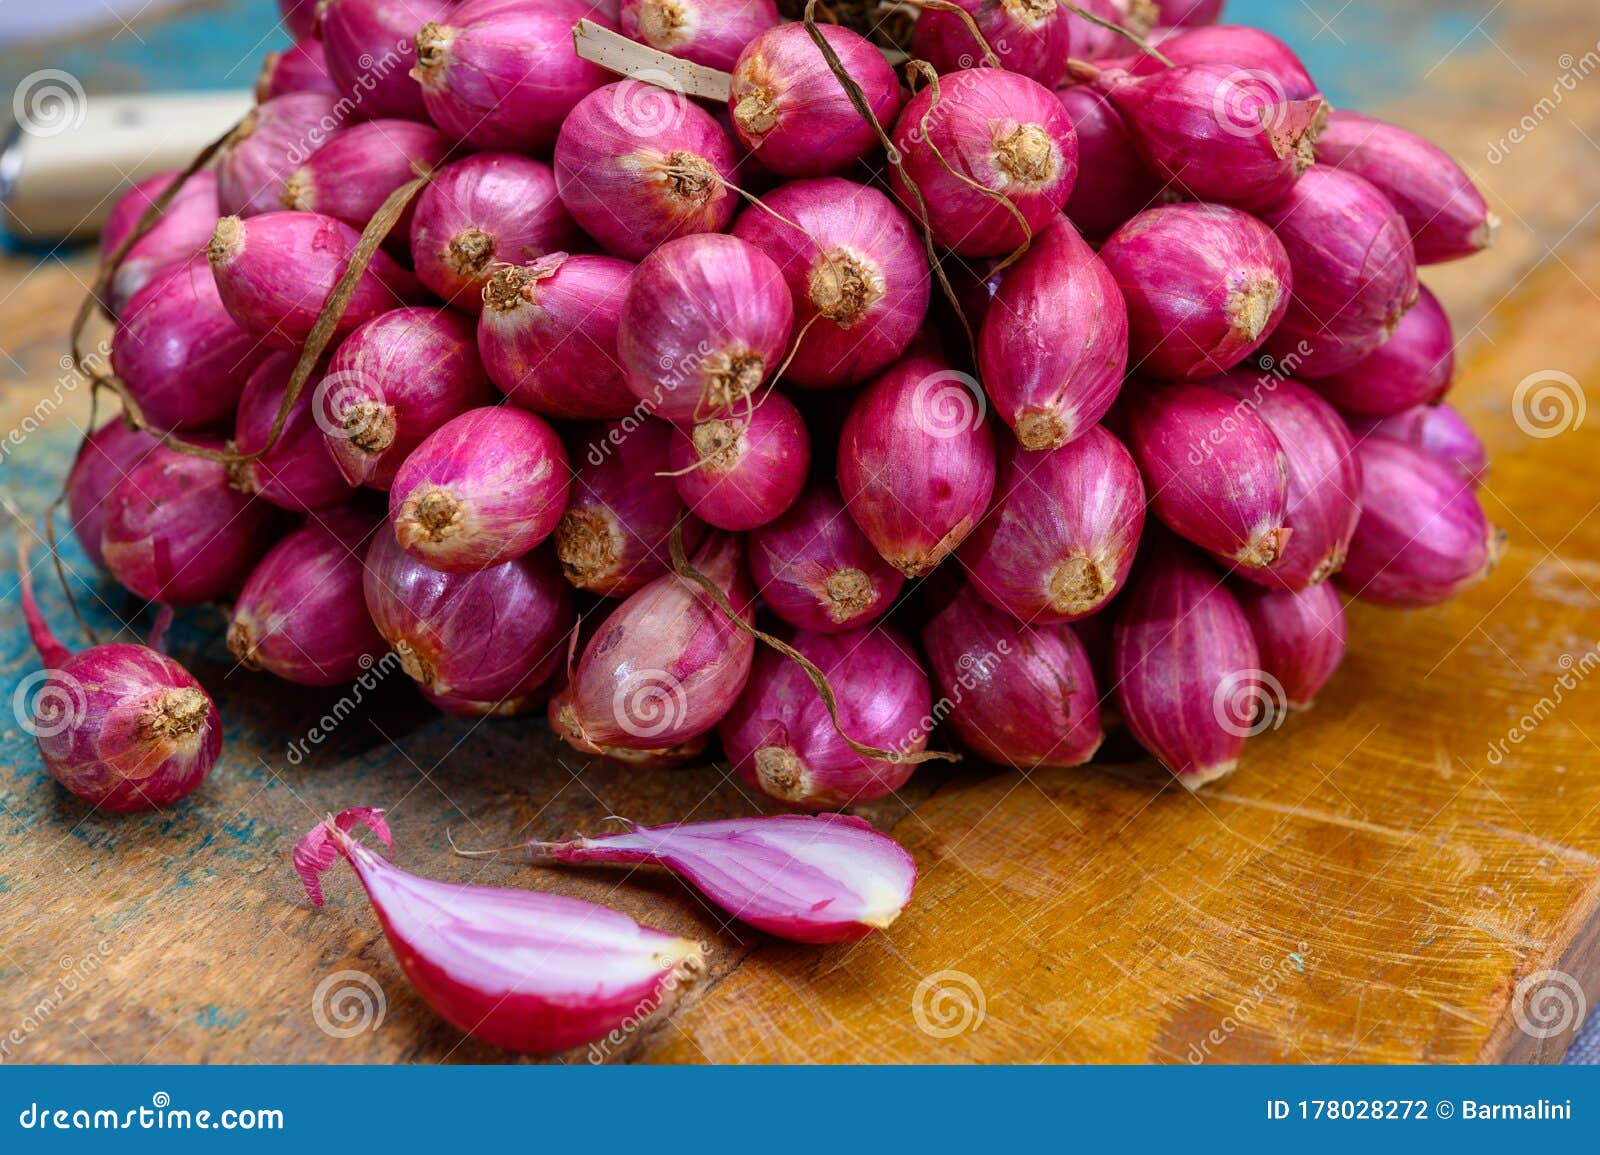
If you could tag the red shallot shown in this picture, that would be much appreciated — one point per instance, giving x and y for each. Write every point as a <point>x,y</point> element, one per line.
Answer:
<point>1113,181</point>
<point>105,458</point>
<point>1438,430</point>
<point>1253,49</point>
<point>1300,636</point>
<point>1031,37</point>
<point>740,471</point>
<point>174,239</point>
<point>296,472</point>
<point>272,140</point>
<point>368,45</point>
<point>351,176</point>
<point>1413,367</point>
<point>301,67</point>
<point>708,32</point>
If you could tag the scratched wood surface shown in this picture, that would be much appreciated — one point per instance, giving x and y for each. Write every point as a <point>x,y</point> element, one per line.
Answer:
<point>1374,885</point>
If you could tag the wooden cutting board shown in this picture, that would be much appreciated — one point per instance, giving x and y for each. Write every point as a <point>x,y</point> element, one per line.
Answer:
<point>1389,877</point>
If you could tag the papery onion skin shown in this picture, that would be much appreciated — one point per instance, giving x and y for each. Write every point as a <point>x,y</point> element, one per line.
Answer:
<point>1030,37</point>
<point>1446,214</point>
<point>705,322</point>
<point>1061,536</point>
<point>1414,367</point>
<point>1423,537</point>
<point>548,335</point>
<point>708,32</point>
<point>297,472</point>
<point>1438,430</point>
<point>1003,131</point>
<point>1054,348</point>
<point>808,878</point>
<point>275,270</point>
<point>613,538</point>
<point>502,74</point>
<point>1020,695</point>
<point>516,969</point>
<point>917,462</point>
<point>301,67</point>
<point>1355,273</point>
<point>393,381</point>
<point>106,456</point>
<point>1185,667</point>
<point>481,211</point>
<point>300,615</point>
<point>1300,636</point>
<point>177,235</point>
<point>782,741</point>
<point>368,45</point>
<point>180,353</point>
<point>1215,471</point>
<point>477,643</point>
<point>741,471</point>
<point>1323,477</point>
<point>272,140</point>
<point>817,571</point>
<point>686,753</point>
<point>177,531</point>
<point>1205,285</point>
<point>636,166</point>
<point>351,176</point>
<point>667,664</point>
<point>1113,182</point>
<point>1220,132</point>
<point>483,488</point>
<point>791,110</point>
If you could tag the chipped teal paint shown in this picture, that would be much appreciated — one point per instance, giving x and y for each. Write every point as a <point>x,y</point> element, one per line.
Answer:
<point>213,1018</point>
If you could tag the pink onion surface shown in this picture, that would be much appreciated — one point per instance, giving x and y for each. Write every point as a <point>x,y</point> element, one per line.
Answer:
<point>368,45</point>
<point>1030,37</point>
<point>296,473</point>
<point>1438,430</point>
<point>1114,182</point>
<point>299,17</point>
<point>177,236</point>
<point>1187,13</point>
<point>709,32</point>
<point>351,176</point>
<point>272,140</point>
<point>301,67</point>
<point>105,458</point>
<point>1240,46</point>
<point>1413,367</point>
<point>741,471</point>
<point>1300,636</point>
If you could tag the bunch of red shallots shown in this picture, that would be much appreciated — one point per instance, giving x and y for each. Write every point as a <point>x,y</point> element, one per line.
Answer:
<point>679,369</point>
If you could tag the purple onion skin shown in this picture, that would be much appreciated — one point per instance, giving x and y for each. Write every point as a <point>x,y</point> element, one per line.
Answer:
<point>856,264</point>
<point>614,537</point>
<point>1217,131</point>
<point>483,488</point>
<point>1423,537</point>
<point>392,382</point>
<point>559,715</point>
<point>360,35</point>
<point>709,32</point>
<point>1031,38</point>
<point>789,108</point>
<point>1438,430</point>
<point>705,321</point>
<point>1113,181</point>
<point>741,471</point>
<point>274,271</point>
<point>301,67</point>
<point>351,176</point>
<point>1300,635</point>
<point>273,140</point>
<point>1205,286</point>
<point>1355,273</point>
<point>667,664</point>
<point>1003,131</point>
<point>300,615</point>
<point>180,353</point>
<point>1239,46</point>
<point>1060,538</point>
<point>177,531</point>
<point>1413,367</point>
<point>1023,695</point>
<point>1188,13</point>
<point>1324,477</point>
<point>105,458</point>
<point>481,211</point>
<point>1053,351</point>
<point>1446,214</point>
<point>917,462</point>
<point>817,571</point>
<point>1185,666</point>
<point>296,473</point>
<point>299,17</point>
<point>1092,42</point>
<point>636,166</point>
<point>499,74</point>
<point>479,644</point>
<point>1214,469</point>
<point>177,236</point>
<point>782,741</point>
<point>548,335</point>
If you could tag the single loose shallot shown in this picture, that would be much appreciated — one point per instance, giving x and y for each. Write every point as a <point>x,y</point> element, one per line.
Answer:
<point>516,969</point>
<point>1031,37</point>
<point>709,32</point>
<point>741,471</point>
<point>483,488</point>
<point>1413,367</point>
<point>105,457</point>
<point>1300,635</point>
<point>1438,430</point>
<point>809,878</point>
